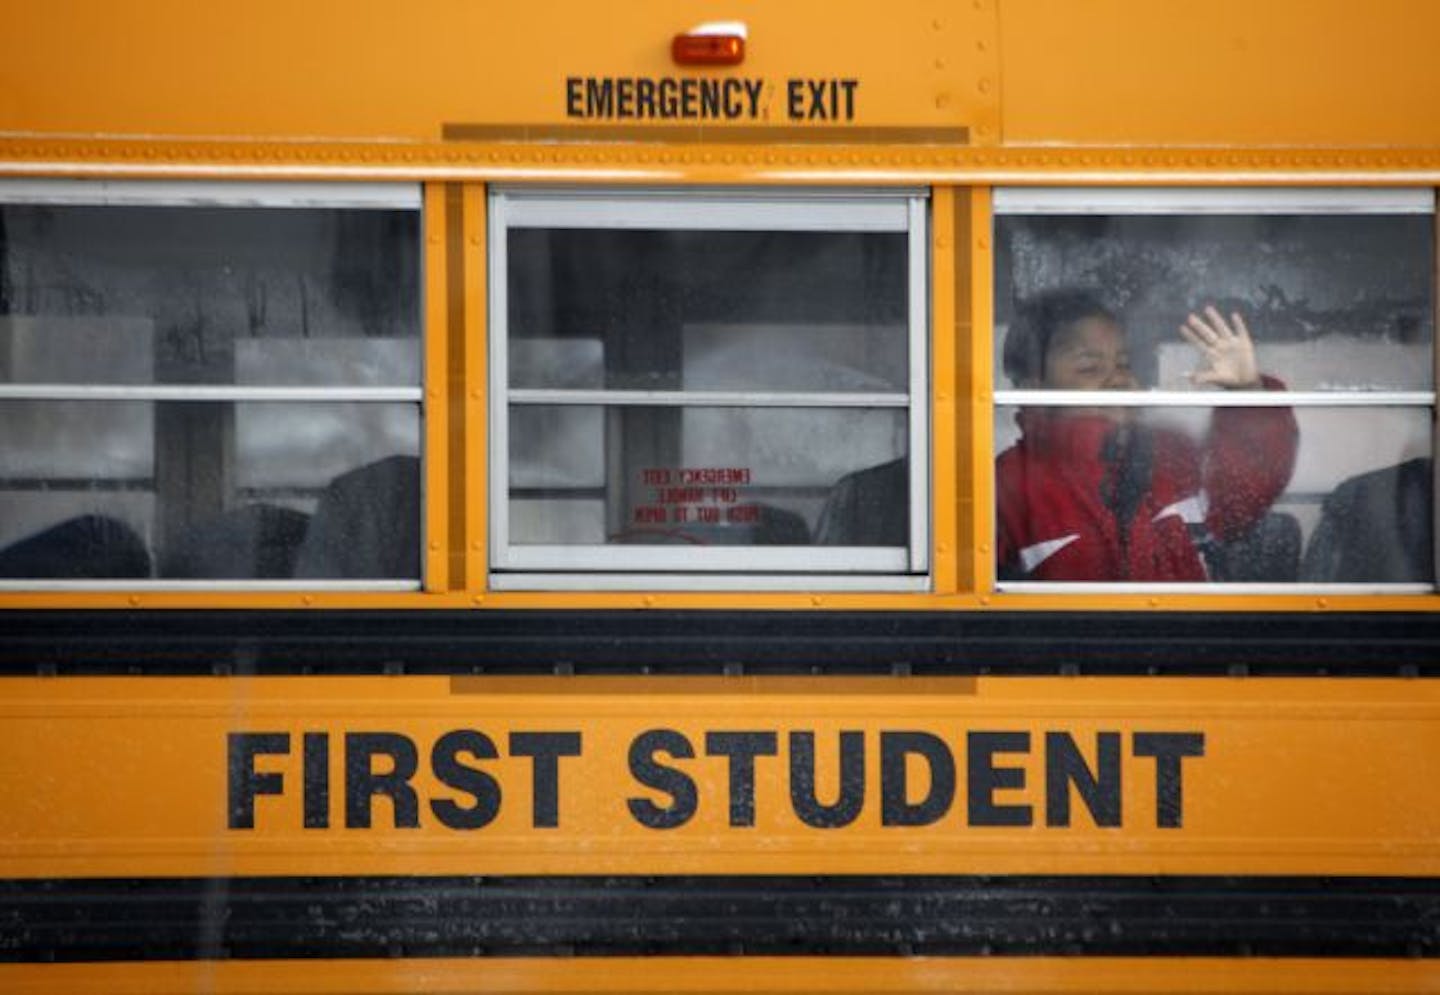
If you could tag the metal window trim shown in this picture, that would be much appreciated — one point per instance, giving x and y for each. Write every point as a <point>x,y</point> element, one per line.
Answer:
<point>748,583</point>
<point>1213,200</point>
<point>1212,399</point>
<point>705,398</point>
<point>824,211</point>
<point>211,193</point>
<point>717,559</point>
<point>1207,587</point>
<point>190,393</point>
<point>711,210</point>
<point>219,585</point>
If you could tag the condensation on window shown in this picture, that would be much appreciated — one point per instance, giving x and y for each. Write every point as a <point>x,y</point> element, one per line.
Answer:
<point>1333,302</point>
<point>188,297</point>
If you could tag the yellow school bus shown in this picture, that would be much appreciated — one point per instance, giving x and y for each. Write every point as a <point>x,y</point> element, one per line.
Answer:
<point>719,497</point>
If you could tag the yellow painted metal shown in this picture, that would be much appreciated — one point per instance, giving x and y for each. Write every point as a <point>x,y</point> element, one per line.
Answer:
<point>1292,777</point>
<point>384,77</point>
<point>436,423</point>
<point>947,297</point>
<point>707,975</point>
<point>475,268</point>
<point>977,388</point>
<point>1220,73</point>
<point>403,72</point>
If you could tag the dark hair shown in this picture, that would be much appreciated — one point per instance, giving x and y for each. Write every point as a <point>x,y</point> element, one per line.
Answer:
<point>1038,320</point>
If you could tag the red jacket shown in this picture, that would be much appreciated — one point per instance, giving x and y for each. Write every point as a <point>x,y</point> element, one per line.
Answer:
<point>1064,489</point>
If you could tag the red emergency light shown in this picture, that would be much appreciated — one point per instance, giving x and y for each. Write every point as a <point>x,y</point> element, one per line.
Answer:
<point>717,44</point>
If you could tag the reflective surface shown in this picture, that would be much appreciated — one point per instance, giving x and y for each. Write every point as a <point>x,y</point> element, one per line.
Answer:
<point>191,295</point>
<point>1332,302</point>
<point>1355,508</point>
<point>708,476</point>
<point>210,491</point>
<point>706,310</point>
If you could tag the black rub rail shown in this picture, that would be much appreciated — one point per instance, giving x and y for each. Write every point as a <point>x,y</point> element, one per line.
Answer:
<point>722,642</point>
<point>374,917</point>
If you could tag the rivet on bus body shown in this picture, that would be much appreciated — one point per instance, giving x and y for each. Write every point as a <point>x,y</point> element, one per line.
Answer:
<point>984,547</point>
<point>942,548</point>
<point>1322,603</point>
<point>307,600</point>
<point>937,24</point>
<point>648,601</point>
<point>984,85</point>
<point>477,545</point>
<point>1154,602</point>
<point>434,545</point>
<point>479,599</point>
<point>816,600</point>
<point>985,600</point>
<point>942,101</point>
<point>134,600</point>
<point>982,242</point>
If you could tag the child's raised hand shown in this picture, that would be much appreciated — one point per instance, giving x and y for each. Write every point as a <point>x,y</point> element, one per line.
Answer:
<point>1226,348</point>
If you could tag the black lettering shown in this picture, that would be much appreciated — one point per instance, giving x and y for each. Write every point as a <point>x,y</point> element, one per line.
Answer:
<point>709,98</point>
<point>678,785</point>
<point>645,97</point>
<point>316,748</point>
<point>574,94</point>
<point>1064,766</point>
<point>669,97</point>
<point>599,97</point>
<point>1168,749</point>
<point>849,85</point>
<point>817,99</point>
<point>624,97</point>
<point>546,748</point>
<point>896,809</point>
<point>734,98</point>
<point>742,748</point>
<point>244,783</point>
<point>362,783</point>
<point>984,778</point>
<point>449,771</point>
<point>852,781</point>
<point>688,97</point>
<point>753,89</point>
<point>795,96</point>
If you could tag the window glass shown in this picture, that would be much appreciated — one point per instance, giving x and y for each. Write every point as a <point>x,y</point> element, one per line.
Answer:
<point>729,476</point>
<point>208,392</point>
<point>706,373</point>
<point>1204,495</point>
<point>1333,302</point>
<point>1128,345</point>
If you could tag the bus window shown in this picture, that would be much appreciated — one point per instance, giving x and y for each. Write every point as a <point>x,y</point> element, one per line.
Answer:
<point>696,383</point>
<point>1204,386</point>
<point>189,373</point>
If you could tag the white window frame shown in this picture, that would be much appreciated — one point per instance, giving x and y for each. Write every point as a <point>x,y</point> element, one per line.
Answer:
<point>240,195</point>
<point>1076,201</point>
<point>621,567</point>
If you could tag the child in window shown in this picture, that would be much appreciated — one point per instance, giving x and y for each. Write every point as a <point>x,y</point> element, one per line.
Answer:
<point>1094,494</point>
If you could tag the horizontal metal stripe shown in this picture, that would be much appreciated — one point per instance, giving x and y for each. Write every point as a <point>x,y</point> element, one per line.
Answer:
<point>1234,200</point>
<point>1299,644</point>
<point>200,193</point>
<point>1215,398</point>
<point>316,917</point>
<point>708,398</point>
<point>204,392</point>
<point>710,134</point>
